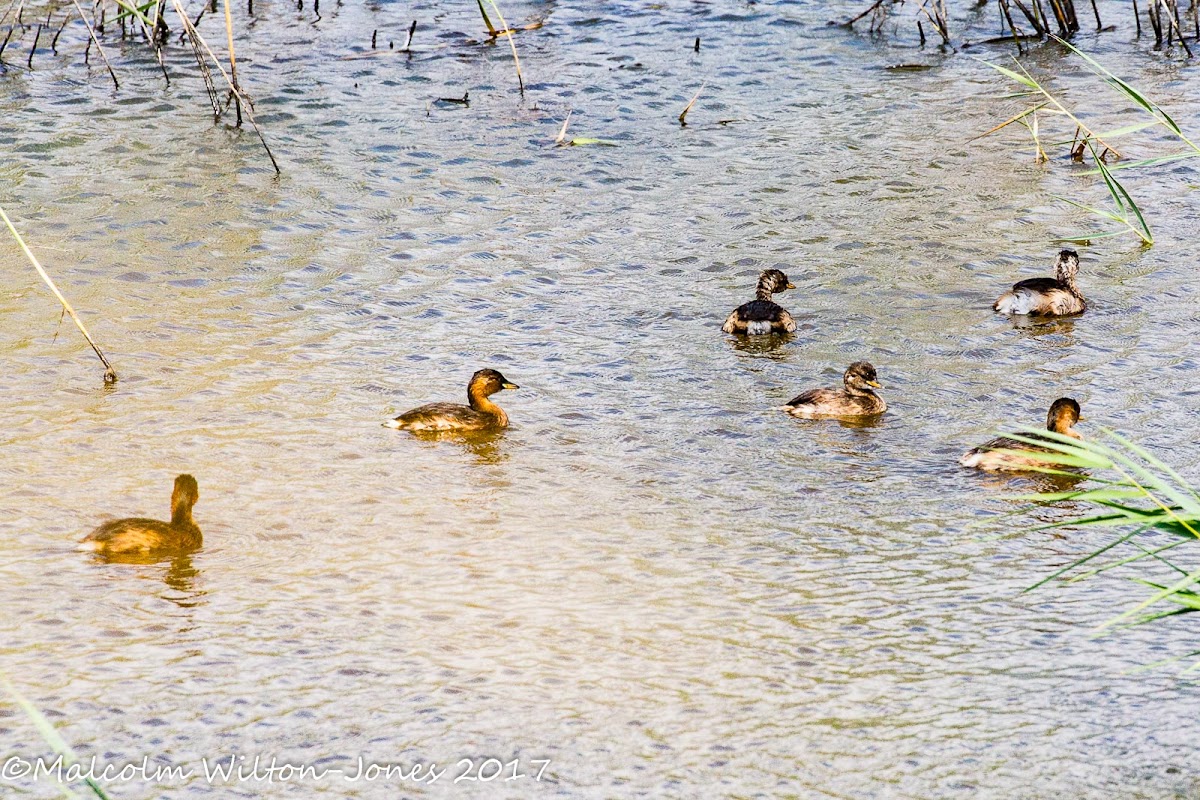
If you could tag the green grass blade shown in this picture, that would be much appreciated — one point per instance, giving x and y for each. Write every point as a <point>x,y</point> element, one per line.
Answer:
<point>1084,560</point>
<point>1146,162</point>
<point>1087,237</point>
<point>1187,599</point>
<point>1016,76</point>
<point>48,732</point>
<point>1123,87</point>
<point>1098,212</point>
<point>1121,197</point>
<point>1091,573</point>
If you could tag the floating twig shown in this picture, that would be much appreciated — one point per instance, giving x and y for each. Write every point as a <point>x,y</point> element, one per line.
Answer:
<point>110,374</point>
<point>465,100</point>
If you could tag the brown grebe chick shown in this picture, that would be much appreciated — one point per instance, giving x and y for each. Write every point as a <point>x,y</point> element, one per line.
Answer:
<point>763,315</point>
<point>1051,297</point>
<point>854,400</point>
<point>1063,415</point>
<point>144,536</point>
<point>480,415</point>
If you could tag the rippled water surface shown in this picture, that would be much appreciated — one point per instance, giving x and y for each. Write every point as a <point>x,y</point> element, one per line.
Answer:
<point>651,579</point>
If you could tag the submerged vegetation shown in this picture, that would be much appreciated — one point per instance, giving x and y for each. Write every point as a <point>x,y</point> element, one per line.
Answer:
<point>1101,145</point>
<point>1143,497</point>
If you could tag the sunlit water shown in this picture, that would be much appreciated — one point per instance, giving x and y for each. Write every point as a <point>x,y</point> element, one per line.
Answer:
<point>651,579</point>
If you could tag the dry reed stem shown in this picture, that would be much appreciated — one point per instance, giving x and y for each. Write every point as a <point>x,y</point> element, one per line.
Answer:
<point>110,375</point>
<point>688,107</point>
<point>99,49</point>
<point>197,39</point>
<point>507,31</point>
<point>233,83</point>
<point>1173,19</point>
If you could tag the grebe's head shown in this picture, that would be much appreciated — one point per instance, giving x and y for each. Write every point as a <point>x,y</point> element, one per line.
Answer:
<point>774,281</point>
<point>186,492</point>
<point>488,381</point>
<point>1064,413</point>
<point>860,376</point>
<point>1066,266</point>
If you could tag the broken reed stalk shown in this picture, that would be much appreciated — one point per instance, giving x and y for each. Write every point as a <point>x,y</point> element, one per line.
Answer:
<point>505,31</point>
<point>37,36</point>
<point>233,83</point>
<point>1011,28</point>
<point>99,49</point>
<point>110,375</point>
<point>562,133</point>
<point>198,42</point>
<point>688,107</point>
<point>209,86</point>
<point>61,28</point>
<point>936,20</point>
<point>1031,16</point>
<point>1174,20</point>
<point>872,7</point>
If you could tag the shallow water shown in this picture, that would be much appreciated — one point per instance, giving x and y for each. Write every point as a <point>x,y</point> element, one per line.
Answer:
<point>651,579</point>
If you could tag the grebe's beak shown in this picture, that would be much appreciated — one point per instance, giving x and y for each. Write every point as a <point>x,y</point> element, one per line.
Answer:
<point>791,285</point>
<point>507,385</point>
<point>875,384</point>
